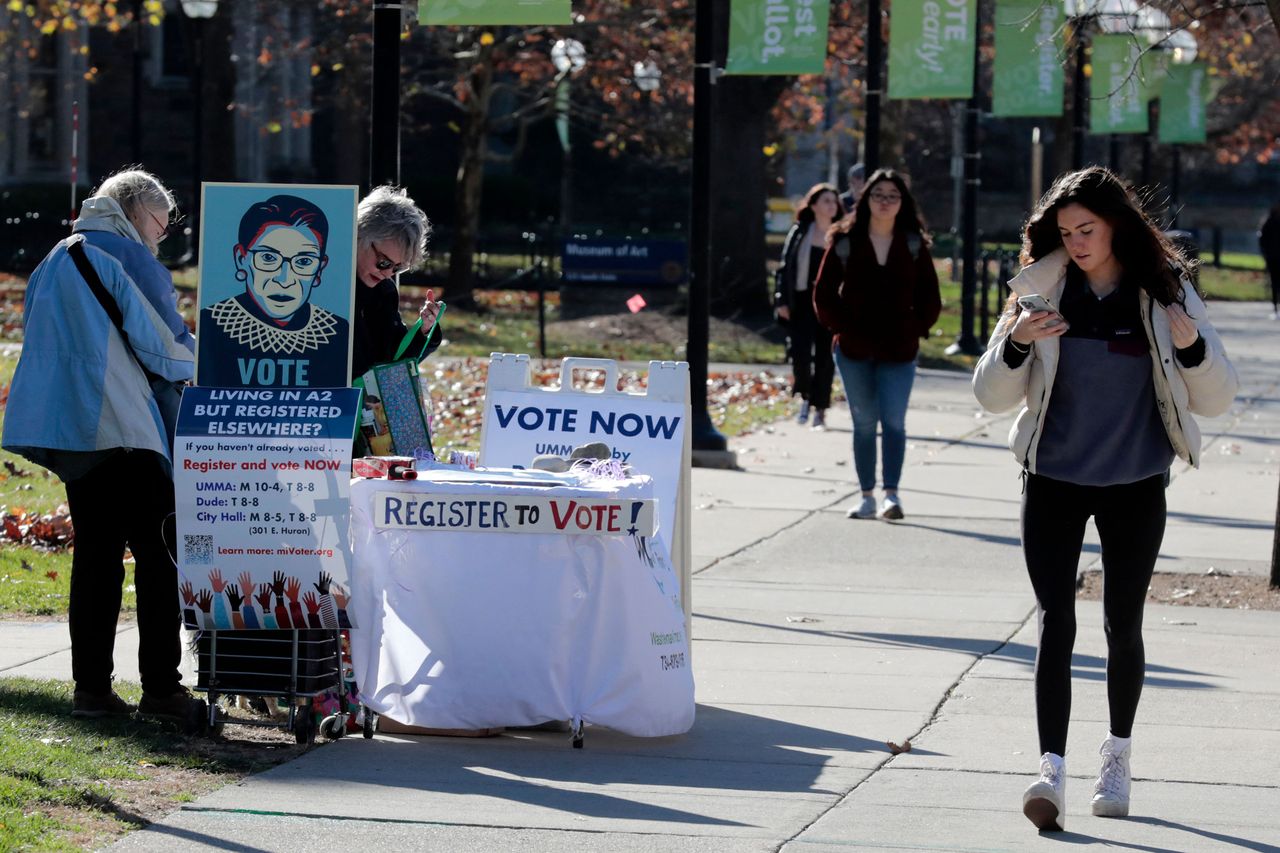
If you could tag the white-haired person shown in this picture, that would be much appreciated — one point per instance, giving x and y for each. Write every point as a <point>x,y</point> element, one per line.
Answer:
<point>81,406</point>
<point>391,238</point>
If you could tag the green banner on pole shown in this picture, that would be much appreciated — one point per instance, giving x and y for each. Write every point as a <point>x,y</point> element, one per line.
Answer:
<point>1182,103</point>
<point>777,37</point>
<point>931,48</point>
<point>1118,102</point>
<point>450,13</point>
<point>1028,66</point>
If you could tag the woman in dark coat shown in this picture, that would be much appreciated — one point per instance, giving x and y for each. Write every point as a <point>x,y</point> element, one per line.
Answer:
<point>810,342</point>
<point>878,292</point>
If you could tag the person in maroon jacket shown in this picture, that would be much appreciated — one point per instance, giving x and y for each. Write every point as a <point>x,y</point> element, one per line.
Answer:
<point>877,292</point>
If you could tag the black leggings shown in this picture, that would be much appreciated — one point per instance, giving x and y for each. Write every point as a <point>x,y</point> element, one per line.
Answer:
<point>811,359</point>
<point>1130,520</point>
<point>124,501</point>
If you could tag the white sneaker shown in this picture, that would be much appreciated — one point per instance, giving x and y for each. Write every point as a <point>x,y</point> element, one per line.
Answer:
<point>1111,791</point>
<point>866,509</point>
<point>1045,801</point>
<point>891,508</point>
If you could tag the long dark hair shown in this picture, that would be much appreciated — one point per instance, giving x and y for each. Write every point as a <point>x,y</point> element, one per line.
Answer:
<point>804,210</point>
<point>908,221</point>
<point>1142,249</point>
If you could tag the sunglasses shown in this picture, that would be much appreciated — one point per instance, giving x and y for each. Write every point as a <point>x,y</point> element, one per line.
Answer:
<point>384,263</point>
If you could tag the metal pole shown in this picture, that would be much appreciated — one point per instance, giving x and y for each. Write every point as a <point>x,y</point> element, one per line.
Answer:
<point>1147,140</point>
<point>704,435</point>
<point>384,130</point>
<point>1037,168</point>
<point>135,123</point>
<point>966,342</point>
<point>1275,551</point>
<point>197,147</point>
<point>1078,101</point>
<point>875,59</point>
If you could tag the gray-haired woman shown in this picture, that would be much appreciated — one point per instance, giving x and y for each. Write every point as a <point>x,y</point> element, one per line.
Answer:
<point>81,406</point>
<point>392,238</point>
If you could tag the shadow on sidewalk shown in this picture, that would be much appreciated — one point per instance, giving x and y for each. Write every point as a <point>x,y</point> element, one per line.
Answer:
<point>727,751</point>
<point>1088,667</point>
<point>1082,838</point>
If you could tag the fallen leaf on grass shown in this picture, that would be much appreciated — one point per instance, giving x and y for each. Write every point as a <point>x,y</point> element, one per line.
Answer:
<point>14,470</point>
<point>51,575</point>
<point>27,566</point>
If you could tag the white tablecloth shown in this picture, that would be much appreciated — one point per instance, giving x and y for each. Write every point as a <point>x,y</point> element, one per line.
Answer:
<point>479,629</point>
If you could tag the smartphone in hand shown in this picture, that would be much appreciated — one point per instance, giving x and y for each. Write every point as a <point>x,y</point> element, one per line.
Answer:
<point>1036,302</point>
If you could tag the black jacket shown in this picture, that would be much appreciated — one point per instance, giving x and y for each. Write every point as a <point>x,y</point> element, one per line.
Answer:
<point>377,328</point>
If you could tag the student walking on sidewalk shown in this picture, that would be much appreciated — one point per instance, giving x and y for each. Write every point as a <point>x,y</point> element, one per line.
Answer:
<point>810,343</point>
<point>878,292</point>
<point>1107,381</point>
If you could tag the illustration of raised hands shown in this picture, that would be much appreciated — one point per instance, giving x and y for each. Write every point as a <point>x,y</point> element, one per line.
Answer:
<point>264,599</point>
<point>233,595</point>
<point>216,581</point>
<point>313,610</point>
<point>277,584</point>
<point>205,600</point>
<point>291,588</point>
<point>323,586</point>
<point>188,594</point>
<point>246,583</point>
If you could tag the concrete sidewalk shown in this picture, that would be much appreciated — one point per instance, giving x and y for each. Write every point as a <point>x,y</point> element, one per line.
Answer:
<point>818,639</point>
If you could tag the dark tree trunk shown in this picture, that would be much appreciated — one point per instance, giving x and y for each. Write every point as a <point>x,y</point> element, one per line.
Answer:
<point>739,183</point>
<point>740,193</point>
<point>474,150</point>
<point>219,95</point>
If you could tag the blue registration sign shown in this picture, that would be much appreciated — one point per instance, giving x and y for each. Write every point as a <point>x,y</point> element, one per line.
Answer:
<point>633,263</point>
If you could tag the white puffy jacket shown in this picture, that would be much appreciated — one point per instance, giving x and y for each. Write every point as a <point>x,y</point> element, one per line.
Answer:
<point>1206,389</point>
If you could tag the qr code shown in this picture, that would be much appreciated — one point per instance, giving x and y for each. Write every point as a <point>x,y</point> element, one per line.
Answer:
<point>198,549</point>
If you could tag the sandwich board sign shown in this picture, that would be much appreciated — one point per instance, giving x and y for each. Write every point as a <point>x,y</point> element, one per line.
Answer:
<point>648,431</point>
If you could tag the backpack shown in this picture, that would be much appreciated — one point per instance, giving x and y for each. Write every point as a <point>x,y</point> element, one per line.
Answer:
<point>842,246</point>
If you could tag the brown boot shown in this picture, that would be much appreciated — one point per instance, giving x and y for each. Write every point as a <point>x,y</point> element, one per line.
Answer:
<point>173,706</point>
<point>86,705</point>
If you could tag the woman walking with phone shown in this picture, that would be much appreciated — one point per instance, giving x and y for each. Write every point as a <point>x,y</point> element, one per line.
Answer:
<point>1102,293</point>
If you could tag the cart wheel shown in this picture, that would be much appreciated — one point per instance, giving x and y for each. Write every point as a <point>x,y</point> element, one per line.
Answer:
<point>370,721</point>
<point>196,720</point>
<point>304,727</point>
<point>333,726</point>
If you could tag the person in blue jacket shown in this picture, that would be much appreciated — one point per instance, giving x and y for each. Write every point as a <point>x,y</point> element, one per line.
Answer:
<point>81,406</point>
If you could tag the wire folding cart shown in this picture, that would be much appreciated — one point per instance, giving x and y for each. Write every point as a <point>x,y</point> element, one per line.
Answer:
<point>295,665</point>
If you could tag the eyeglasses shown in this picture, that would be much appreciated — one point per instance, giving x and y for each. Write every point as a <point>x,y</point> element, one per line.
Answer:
<point>886,198</point>
<point>169,227</point>
<point>384,263</point>
<point>269,260</point>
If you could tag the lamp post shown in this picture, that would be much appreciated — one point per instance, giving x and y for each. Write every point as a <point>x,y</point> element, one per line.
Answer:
<point>1156,28</point>
<point>647,76</point>
<point>384,102</point>
<point>569,57</point>
<point>198,11</point>
<point>705,437</point>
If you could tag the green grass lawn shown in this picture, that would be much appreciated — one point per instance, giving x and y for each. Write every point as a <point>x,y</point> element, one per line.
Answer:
<point>68,784</point>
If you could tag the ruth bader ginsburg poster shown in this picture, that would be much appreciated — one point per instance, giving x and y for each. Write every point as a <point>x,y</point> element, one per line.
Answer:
<point>277,285</point>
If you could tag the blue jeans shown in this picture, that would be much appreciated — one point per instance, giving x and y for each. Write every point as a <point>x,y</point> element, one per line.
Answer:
<point>878,393</point>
